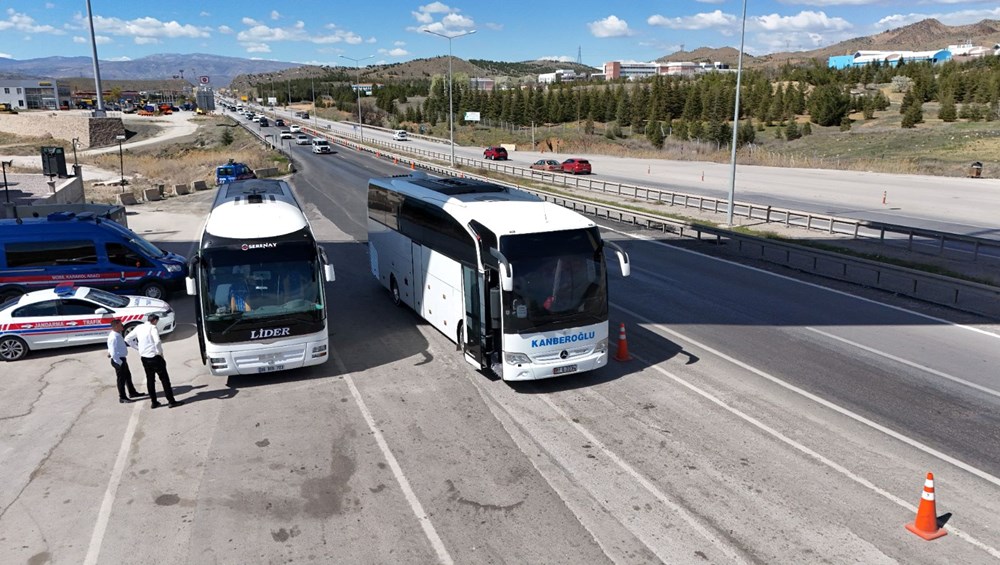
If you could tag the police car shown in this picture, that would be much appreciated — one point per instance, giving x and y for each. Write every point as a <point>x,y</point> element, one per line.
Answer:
<point>71,315</point>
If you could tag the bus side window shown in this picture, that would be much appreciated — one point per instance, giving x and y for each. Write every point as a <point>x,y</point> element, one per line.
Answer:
<point>119,254</point>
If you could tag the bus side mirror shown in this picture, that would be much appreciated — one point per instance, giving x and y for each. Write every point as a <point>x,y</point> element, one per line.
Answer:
<point>506,272</point>
<point>623,261</point>
<point>190,286</point>
<point>328,273</point>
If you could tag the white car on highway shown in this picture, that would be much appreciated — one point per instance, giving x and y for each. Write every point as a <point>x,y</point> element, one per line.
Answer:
<point>71,315</point>
<point>320,145</point>
<point>302,139</point>
<point>294,128</point>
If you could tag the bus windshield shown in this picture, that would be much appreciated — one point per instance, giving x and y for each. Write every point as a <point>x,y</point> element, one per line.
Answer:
<point>268,283</point>
<point>559,281</point>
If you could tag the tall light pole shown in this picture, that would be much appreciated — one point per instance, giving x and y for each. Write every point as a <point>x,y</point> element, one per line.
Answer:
<point>736,122</point>
<point>6,164</point>
<point>357,63</point>
<point>451,107</point>
<point>121,159</point>
<point>97,68</point>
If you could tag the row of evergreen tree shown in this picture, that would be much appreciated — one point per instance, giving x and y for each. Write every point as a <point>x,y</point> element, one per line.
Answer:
<point>699,108</point>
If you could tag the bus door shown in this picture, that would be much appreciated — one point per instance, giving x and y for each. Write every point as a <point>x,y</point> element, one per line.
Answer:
<point>473,338</point>
<point>411,288</point>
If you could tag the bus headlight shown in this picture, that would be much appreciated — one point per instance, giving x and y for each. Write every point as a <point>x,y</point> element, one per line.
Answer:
<point>516,358</point>
<point>602,346</point>
<point>217,362</point>
<point>319,351</point>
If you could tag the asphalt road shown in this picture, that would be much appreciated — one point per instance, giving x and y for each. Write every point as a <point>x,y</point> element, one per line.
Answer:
<point>955,205</point>
<point>763,420</point>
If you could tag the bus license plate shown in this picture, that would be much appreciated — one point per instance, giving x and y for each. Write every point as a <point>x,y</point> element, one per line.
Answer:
<point>270,368</point>
<point>564,370</point>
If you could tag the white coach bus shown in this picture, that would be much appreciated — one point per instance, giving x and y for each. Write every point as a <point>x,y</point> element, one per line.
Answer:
<point>259,281</point>
<point>518,283</point>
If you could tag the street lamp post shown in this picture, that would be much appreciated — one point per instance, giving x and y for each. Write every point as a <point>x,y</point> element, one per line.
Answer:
<point>121,159</point>
<point>451,108</point>
<point>357,63</point>
<point>736,123</point>
<point>99,112</point>
<point>6,164</point>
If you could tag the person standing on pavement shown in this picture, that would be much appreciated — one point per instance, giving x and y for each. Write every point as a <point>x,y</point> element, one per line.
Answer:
<point>146,339</point>
<point>117,351</point>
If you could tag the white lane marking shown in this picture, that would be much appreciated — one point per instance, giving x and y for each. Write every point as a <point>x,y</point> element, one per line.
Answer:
<point>814,285</point>
<point>648,485</point>
<point>104,514</point>
<point>397,471</point>
<point>811,453</point>
<point>822,401</point>
<point>902,361</point>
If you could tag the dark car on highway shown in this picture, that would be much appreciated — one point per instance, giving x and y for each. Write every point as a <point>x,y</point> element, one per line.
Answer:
<point>576,166</point>
<point>279,123</point>
<point>495,153</point>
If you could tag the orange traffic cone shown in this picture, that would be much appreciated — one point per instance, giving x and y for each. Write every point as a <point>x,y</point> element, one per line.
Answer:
<point>622,354</point>
<point>395,161</point>
<point>926,525</point>
<point>412,166</point>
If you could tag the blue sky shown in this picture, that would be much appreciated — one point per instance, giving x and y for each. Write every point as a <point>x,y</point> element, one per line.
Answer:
<point>313,32</point>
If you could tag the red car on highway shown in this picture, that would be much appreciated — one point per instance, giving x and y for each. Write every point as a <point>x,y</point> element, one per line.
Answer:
<point>576,166</point>
<point>495,153</point>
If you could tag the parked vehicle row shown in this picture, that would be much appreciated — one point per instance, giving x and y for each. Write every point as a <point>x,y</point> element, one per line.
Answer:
<point>572,166</point>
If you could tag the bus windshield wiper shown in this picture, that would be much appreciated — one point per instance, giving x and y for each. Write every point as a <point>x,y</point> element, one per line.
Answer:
<point>237,318</point>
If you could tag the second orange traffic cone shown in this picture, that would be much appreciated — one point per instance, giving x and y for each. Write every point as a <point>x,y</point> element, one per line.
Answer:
<point>622,354</point>
<point>926,525</point>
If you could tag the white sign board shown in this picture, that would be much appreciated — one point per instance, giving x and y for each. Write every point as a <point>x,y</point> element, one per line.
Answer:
<point>472,116</point>
<point>272,101</point>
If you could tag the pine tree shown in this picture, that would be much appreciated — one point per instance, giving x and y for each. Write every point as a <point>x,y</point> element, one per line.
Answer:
<point>792,130</point>
<point>654,133</point>
<point>807,129</point>
<point>947,112</point>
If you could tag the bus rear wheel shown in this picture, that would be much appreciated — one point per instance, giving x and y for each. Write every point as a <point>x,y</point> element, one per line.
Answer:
<point>394,289</point>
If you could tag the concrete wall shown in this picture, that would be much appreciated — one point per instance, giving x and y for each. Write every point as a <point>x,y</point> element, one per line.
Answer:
<point>92,132</point>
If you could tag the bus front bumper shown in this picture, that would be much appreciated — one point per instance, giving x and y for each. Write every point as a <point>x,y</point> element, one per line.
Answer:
<point>546,370</point>
<point>262,360</point>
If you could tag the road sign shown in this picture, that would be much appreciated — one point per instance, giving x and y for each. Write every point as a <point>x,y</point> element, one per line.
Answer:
<point>203,79</point>
<point>472,116</point>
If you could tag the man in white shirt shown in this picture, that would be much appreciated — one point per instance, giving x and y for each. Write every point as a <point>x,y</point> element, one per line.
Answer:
<point>146,339</point>
<point>117,353</point>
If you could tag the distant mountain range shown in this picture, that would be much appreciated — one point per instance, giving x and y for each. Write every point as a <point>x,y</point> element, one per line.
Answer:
<point>220,70</point>
<point>923,35</point>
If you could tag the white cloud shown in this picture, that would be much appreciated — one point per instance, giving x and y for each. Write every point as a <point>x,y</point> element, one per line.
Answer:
<point>146,30</point>
<point>399,43</point>
<point>6,56</point>
<point>259,35</point>
<point>225,29</point>
<point>610,26</point>
<point>823,3</point>
<point>960,17</point>
<point>25,23</point>
<point>494,26</point>
<point>122,58</point>
<point>249,21</point>
<point>275,15</point>
<point>396,52</point>
<point>803,21</point>
<point>706,20</point>
<point>257,48</point>
<point>204,14</point>
<point>451,22</point>
<point>99,39</point>
<point>557,58</point>
<point>370,40</point>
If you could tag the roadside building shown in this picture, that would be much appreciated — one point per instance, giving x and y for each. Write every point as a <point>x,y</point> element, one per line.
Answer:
<point>560,75</point>
<point>862,58</point>
<point>632,70</point>
<point>34,94</point>
<point>482,83</point>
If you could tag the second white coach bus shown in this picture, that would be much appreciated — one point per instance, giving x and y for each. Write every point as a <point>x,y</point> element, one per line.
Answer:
<point>518,283</point>
<point>259,279</point>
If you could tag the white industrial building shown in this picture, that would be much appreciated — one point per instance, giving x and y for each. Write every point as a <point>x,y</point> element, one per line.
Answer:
<point>34,94</point>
